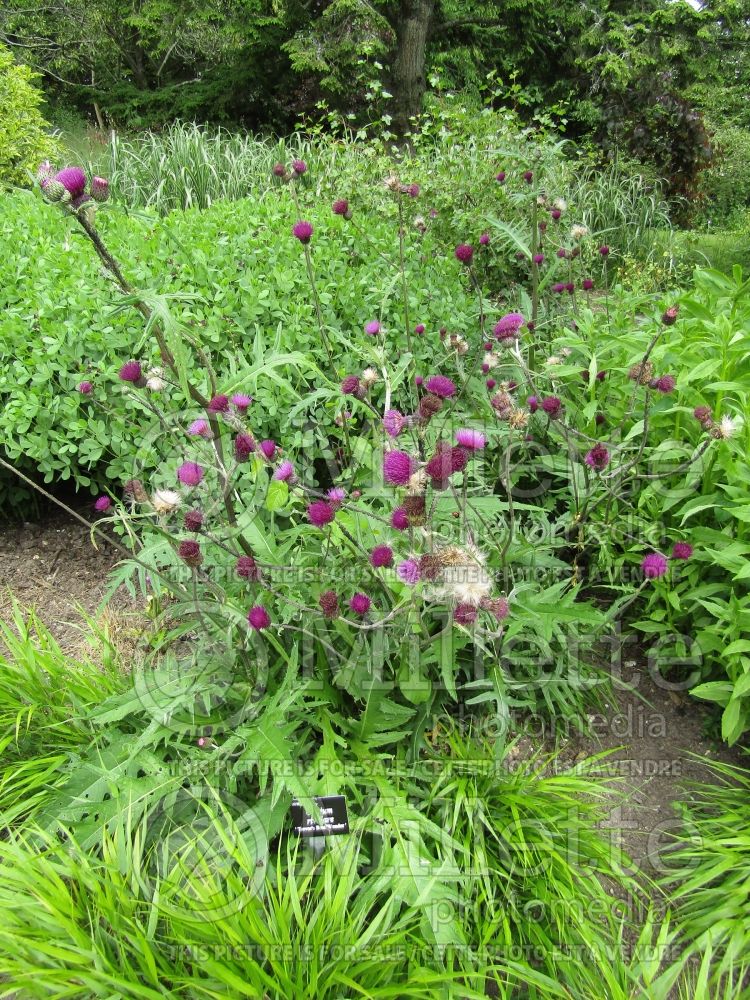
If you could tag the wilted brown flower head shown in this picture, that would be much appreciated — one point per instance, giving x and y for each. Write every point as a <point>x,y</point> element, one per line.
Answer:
<point>642,372</point>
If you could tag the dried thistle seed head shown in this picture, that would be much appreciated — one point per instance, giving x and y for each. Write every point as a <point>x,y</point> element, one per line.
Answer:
<point>392,183</point>
<point>417,483</point>
<point>464,578</point>
<point>451,555</point>
<point>369,377</point>
<point>641,372</point>
<point>518,419</point>
<point>165,501</point>
<point>578,231</point>
<point>155,381</point>
<point>726,428</point>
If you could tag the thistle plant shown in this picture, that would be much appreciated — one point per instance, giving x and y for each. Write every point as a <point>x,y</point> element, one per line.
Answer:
<point>394,570</point>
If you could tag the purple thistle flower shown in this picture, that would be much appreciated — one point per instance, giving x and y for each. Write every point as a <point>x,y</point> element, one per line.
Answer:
<point>329,604</point>
<point>555,213</point>
<point>599,419</point>
<point>418,380</point>
<point>552,406</point>
<point>336,496</point>
<point>598,457</point>
<point>247,568</point>
<point>193,520</point>
<point>200,428</point>
<point>279,170</point>
<point>570,287</point>
<point>459,459</point>
<point>500,177</point>
<point>381,556</point>
<point>397,468</point>
<point>464,252</point>
<point>320,513</point>
<point>73,180</point>
<point>303,231</point>
<point>484,239</point>
<point>258,618</point>
<point>562,253</point>
<point>360,604</point>
<point>528,176</point>
<point>372,328</point>
<point>131,371</point>
<point>587,284</point>
<point>604,250</point>
<point>102,504</point>
<point>666,384</point>
<point>559,287</point>
<point>99,188</point>
<point>190,553</point>
<point>218,404</point>
<point>533,404</point>
<point>408,572</point>
<point>440,466</point>
<point>85,388</point>
<point>241,401</point>
<point>465,614</point>
<point>682,550</point>
<point>490,383</point>
<point>470,439</point>
<point>498,607</point>
<point>340,207</point>
<point>440,385</point>
<point>393,423</point>
<point>538,258</point>
<point>244,446</point>
<point>299,167</point>
<point>413,190</point>
<point>669,318</point>
<point>654,565</point>
<point>190,473</point>
<point>269,449</point>
<point>702,413</point>
<point>419,329</point>
<point>507,326</point>
<point>399,519</point>
<point>285,472</point>
<point>350,386</point>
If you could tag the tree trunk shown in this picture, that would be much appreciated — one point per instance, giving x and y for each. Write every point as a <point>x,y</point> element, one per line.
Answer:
<point>408,79</point>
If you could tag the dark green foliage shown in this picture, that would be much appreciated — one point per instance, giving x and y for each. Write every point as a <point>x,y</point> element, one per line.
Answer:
<point>24,134</point>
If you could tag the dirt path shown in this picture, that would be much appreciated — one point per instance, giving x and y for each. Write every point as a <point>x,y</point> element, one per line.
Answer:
<point>53,568</point>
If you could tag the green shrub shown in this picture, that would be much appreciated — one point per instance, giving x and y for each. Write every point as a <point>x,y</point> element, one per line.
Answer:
<point>24,134</point>
<point>252,300</point>
<point>725,185</point>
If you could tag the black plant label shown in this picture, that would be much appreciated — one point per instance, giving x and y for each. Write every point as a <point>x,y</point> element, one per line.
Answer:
<point>334,819</point>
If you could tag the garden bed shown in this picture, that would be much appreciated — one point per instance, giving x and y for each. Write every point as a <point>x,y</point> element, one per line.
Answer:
<point>656,737</point>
